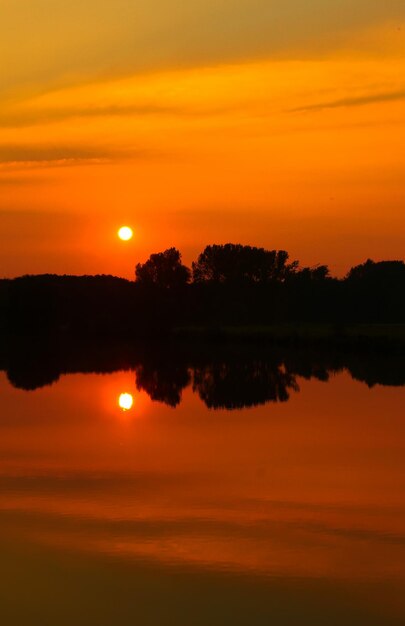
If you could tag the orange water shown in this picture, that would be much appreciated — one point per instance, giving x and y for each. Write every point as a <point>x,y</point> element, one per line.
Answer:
<point>288,513</point>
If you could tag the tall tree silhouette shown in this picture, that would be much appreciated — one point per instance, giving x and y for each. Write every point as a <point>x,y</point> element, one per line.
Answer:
<point>378,272</point>
<point>375,291</point>
<point>164,270</point>
<point>316,273</point>
<point>235,263</point>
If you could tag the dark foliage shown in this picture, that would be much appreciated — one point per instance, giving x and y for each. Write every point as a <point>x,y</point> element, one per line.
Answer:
<point>163,270</point>
<point>233,285</point>
<point>376,291</point>
<point>237,264</point>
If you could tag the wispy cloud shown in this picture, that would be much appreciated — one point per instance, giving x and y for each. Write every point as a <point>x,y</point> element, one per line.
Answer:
<point>18,181</point>
<point>28,117</point>
<point>357,101</point>
<point>55,156</point>
<point>31,115</point>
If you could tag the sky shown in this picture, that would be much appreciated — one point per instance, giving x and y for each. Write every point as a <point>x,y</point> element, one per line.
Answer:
<point>277,124</point>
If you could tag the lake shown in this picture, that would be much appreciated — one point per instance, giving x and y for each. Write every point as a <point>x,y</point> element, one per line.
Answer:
<point>246,489</point>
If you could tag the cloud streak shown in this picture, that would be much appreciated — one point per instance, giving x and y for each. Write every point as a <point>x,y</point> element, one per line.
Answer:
<point>390,96</point>
<point>54,155</point>
<point>27,117</point>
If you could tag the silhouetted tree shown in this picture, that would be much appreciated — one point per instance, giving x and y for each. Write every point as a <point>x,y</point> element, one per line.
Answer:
<point>233,285</point>
<point>235,263</point>
<point>78,304</point>
<point>164,270</point>
<point>381,271</point>
<point>316,273</point>
<point>375,292</point>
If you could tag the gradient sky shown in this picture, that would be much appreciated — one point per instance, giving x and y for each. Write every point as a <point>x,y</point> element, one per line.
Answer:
<point>280,124</point>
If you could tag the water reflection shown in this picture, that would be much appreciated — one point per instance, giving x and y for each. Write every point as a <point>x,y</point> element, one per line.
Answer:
<point>235,385</point>
<point>126,401</point>
<point>224,377</point>
<point>221,384</point>
<point>162,379</point>
<point>290,513</point>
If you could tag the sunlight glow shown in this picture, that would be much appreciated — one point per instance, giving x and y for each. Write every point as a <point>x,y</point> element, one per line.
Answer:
<point>125,233</point>
<point>125,401</point>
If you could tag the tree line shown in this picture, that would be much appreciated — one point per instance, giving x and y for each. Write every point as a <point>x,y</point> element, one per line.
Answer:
<point>229,263</point>
<point>227,285</point>
<point>236,283</point>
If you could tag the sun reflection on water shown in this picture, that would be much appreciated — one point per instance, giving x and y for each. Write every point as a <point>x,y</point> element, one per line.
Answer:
<point>125,401</point>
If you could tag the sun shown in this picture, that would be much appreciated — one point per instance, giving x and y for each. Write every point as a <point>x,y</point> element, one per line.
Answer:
<point>125,233</point>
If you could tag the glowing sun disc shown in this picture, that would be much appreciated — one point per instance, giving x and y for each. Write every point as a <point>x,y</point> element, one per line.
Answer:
<point>125,401</point>
<point>125,233</point>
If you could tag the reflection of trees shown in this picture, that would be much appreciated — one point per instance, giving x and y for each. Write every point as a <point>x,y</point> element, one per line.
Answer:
<point>312,365</point>
<point>32,377</point>
<point>224,376</point>
<point>32,366</point>
<point>378,371</point>
<point>234,385</point>
<point>163,381</point>
<point>224,383</point>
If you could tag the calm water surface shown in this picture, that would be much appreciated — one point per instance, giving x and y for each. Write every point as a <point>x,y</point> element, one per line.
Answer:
<point>288,509</point>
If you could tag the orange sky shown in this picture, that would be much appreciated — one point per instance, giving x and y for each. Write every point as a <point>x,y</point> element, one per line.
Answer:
<point>248,122</point>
